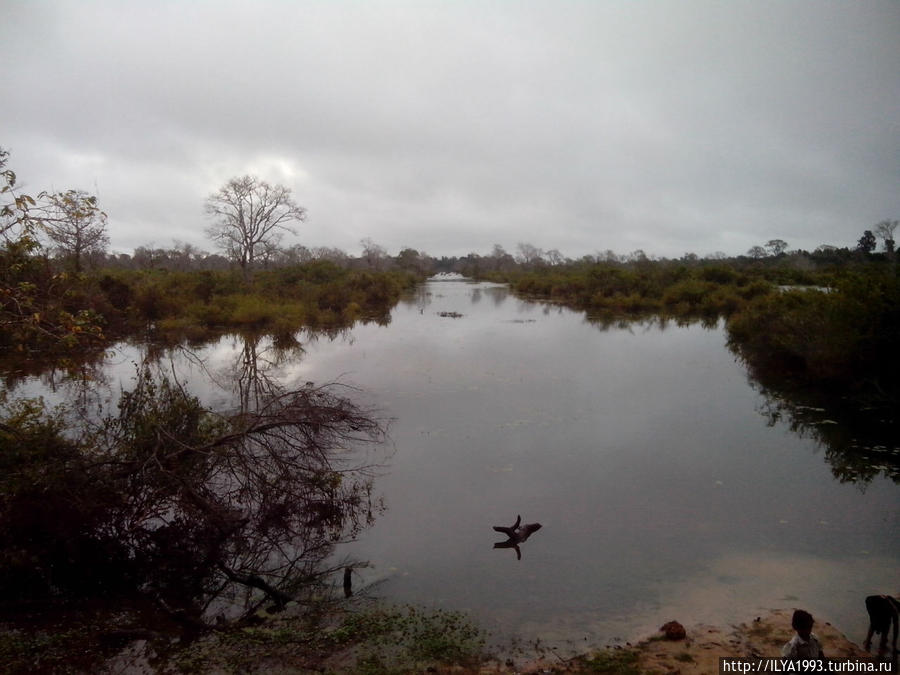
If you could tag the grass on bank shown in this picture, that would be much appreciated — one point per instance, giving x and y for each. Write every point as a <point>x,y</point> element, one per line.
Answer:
<point>375,639</point>
<point>370,639</point>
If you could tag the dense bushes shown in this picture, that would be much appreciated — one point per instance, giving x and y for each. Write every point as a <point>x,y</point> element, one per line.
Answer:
<point>317,294</point>
<point>844,339</point>
<point>50,311</point>
<point>43,308</point>
<point>668,288</point>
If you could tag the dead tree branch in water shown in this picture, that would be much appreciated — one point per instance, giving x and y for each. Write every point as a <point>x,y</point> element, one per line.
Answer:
<point>193,509</point>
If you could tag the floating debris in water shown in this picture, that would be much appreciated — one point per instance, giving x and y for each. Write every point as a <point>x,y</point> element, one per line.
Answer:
<point>450,315</point>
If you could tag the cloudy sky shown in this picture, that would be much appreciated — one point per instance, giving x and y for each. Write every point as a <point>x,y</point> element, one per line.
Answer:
<point>453,126</point>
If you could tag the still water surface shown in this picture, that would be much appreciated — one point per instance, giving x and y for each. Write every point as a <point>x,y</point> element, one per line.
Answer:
<point>662,491</point>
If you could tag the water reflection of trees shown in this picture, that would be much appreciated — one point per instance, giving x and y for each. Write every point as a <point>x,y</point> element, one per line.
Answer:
<point>859,441</point>
<point>54,373</point>
<point>206,514</point>
<point>498,294</point>
<point>859,444</point>
<point>661,322</point>
<point>300,489</point>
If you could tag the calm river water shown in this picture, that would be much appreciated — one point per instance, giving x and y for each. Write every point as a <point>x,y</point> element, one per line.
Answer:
<point>662,491</point>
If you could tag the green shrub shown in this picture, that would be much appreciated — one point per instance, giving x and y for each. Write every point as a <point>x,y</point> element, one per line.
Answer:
<point>843,338</point>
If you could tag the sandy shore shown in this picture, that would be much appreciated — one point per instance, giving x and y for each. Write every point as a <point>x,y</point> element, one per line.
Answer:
<point>699,651</point>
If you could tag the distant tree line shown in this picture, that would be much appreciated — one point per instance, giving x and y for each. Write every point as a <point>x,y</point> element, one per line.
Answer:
<point>528,256</point>
<point>250,218</point>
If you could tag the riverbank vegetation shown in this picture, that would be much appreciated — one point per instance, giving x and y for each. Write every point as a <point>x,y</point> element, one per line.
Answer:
<point>843,339</point>
<point>45,308</point>
<point>48,311</point>
<point>63,294</point>
<point>828,319</point>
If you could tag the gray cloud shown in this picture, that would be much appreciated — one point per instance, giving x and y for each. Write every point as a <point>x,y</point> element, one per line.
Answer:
<point>666,126</point>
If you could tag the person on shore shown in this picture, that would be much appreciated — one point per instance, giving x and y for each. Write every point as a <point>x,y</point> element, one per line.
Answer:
<point>804,645</point>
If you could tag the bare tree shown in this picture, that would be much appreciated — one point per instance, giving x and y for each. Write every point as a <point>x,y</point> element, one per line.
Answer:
<point>372,253</point>
<point>75,224</point>
<point>885,230</point>
<point>528,254</point>
<point>608,256</point>
<point>554,257</point>
<point>757,252</point>
<point>251,217</point>
<point>500,259</point>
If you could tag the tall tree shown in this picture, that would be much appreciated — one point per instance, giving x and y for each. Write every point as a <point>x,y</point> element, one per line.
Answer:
<point>251,217</point>
<point>411,259</point>
<point>866,242</point>
<point>75,224</point>
<point>757,252</point>
<point>776,247</point>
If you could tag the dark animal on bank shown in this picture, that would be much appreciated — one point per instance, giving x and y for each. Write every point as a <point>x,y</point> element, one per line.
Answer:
<point>884,613</point>
<point>517,534</point>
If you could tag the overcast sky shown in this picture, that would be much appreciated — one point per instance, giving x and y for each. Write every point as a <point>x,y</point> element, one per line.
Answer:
<point>449,127</point>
